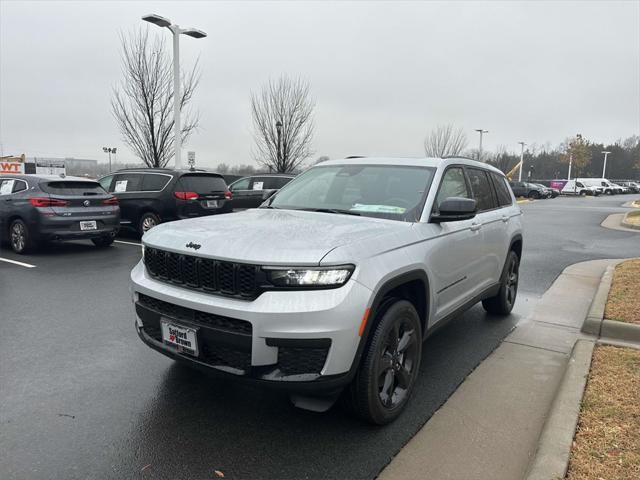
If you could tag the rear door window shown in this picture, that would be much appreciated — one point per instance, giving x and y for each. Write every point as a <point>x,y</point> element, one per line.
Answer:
<point>242,184</point>
<point>201,184</point>
<point>127,182</point>
<point>279,182</point>
<point>453,185</point>
<point>504,197</point>
<point>153,182</point>
<point>481,187</point>
<point>72,188</point>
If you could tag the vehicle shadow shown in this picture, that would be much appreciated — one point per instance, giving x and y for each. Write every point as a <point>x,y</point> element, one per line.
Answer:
<point>197,424</point>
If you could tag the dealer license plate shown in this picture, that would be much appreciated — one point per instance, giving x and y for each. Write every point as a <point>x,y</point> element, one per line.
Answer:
<point>182,339</point>
<point>88,225</point>
<point>211,203</point>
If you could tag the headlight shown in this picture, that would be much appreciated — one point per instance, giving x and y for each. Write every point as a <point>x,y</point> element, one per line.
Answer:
<point>310,277</point>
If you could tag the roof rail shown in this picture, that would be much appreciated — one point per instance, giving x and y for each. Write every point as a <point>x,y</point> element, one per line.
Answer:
<point>355,156</point>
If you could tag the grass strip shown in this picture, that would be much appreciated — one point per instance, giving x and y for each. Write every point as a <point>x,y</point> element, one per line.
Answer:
<point>607,441</point>
<point>623,303</point>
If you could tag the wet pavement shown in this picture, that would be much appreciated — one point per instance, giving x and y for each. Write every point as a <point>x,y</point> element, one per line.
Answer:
<point>82,397</point>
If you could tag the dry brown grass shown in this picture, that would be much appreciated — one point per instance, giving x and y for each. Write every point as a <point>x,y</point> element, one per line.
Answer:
<point>633,217</point>
<point>623,303</point>
<point>607,441</point>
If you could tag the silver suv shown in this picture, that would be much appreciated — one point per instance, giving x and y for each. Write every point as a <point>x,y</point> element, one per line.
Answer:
<point>334,282</point>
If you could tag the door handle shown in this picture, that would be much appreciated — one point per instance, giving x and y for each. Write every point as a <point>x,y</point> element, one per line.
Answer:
<point>475,227</point>
<point>505,218</point>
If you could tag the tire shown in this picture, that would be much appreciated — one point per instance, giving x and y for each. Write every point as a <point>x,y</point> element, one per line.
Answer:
<point>583,193</point>
<point>147,222</point>
<point>104,241</point>
<point>535,195</point>
<point>389,366</point>
<point>20,238</point>
<point>503,302</point>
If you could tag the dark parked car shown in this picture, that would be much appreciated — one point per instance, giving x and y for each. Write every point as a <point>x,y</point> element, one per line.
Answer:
<point>38,208</point>
<point>154,195</point>
<point>550,192</point>
<point>529,190</point>
<point>250,192</point>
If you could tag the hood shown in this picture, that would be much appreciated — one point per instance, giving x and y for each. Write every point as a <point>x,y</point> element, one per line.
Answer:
<point>268,236</point>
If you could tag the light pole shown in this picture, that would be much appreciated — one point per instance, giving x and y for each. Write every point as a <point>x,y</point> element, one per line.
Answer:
<point>480,131</point>
<point>522,144</point>
<point>604,167</point>
<point>109,150</point>
<point>279,132</point>
<point>176,31</point>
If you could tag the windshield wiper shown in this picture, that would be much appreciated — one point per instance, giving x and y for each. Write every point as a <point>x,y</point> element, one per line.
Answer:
<point>331,210</point>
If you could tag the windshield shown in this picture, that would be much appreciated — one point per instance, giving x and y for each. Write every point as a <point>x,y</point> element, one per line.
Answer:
<point>394,192</point>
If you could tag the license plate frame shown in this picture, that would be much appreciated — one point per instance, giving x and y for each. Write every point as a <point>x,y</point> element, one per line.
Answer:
<point>211,204</point>
<point>87,225</point>
<point>181,338</point>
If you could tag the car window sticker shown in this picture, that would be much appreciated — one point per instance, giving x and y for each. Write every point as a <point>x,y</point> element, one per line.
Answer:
<point>121,186</point>
<point>258,185</point>
<point>6,187</point>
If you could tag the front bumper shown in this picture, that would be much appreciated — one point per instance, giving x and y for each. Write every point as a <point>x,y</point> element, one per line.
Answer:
<point>300,340</point>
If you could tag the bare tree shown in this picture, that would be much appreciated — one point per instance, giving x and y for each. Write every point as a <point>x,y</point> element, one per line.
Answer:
<point>283,124</point>
<point>445,141</point>
<point>142,103</point>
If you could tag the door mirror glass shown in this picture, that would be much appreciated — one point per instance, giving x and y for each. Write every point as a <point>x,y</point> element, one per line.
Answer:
<point>453,209</point>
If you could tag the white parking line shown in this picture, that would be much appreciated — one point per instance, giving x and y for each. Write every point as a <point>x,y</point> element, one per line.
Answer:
<point>128,243</point>
<point>22,264</point>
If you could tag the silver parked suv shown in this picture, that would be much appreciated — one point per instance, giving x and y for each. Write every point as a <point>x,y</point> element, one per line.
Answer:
<point>336,280</point>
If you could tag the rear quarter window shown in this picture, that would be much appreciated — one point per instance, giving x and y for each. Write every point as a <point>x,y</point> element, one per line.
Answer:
<point>504,197</point>
<point>153,182</point>
<point>201,184</point>
<point>72,188</point>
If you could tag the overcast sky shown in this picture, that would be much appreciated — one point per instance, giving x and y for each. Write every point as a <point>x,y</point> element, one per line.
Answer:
<point>382,74</point>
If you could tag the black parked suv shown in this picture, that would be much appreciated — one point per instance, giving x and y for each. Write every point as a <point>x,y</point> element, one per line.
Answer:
<point>38,208</point>
<point>250,192</point>
<point>529,190</point>
<point>150,196</point>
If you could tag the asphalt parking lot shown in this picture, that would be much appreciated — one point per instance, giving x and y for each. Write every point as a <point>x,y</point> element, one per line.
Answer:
<point>82,397</point>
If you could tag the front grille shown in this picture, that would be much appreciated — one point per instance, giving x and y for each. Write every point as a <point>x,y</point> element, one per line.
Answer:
<point>177,312</point>
<point>206,274</point>
<point>298,361</point>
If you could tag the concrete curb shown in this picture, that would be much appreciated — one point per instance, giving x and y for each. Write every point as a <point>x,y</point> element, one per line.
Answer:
<point>626,223</point>
<point>554,449</point>
<point>631,204</point>
<point>595,323</point>
<point>629,332</point>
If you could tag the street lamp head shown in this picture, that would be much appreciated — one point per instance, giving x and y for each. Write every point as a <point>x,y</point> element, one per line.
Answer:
<point>481,130</point>
<point>105,149</point>
<point>113,150</point>
<point>157,20</point>
<point>195,33</point>
<point>605,152</point>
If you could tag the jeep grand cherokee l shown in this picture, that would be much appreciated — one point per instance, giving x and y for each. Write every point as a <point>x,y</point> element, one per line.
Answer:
<point>334,283</point>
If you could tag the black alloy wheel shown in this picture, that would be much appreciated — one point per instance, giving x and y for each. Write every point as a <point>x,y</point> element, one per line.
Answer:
<point>390,365</point>
<point>503,302</point>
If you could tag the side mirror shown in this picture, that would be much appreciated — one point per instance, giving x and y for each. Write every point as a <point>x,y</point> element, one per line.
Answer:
<point>454,209</point>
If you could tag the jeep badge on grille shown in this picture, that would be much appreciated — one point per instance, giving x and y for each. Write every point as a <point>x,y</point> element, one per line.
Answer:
<point>195,246</point>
